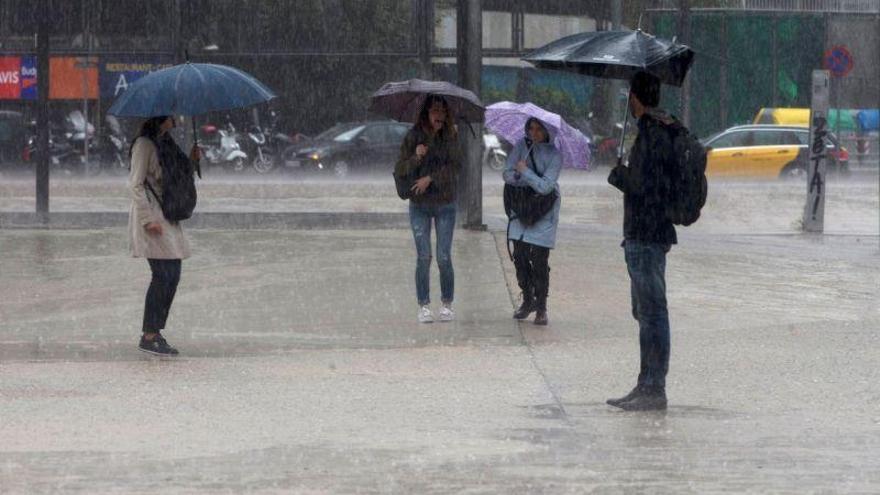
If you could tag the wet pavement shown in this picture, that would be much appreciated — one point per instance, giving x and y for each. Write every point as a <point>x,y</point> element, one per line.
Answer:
<point>303,369</point>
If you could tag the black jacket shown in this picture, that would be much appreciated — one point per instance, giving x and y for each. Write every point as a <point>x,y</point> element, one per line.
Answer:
<point>442,163</point>
<point>645,183</point>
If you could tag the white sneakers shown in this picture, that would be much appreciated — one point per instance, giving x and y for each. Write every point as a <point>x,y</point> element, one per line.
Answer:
<point>427,316</point>
<point>446,313</point>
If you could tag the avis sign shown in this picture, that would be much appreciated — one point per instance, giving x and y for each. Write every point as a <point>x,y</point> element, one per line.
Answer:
<point>10,78</point>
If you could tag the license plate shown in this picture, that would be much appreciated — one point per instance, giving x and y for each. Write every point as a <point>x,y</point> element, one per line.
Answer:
<point>294,163</point>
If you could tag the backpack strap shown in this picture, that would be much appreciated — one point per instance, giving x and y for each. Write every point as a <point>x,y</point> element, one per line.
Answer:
<point>147,184</point>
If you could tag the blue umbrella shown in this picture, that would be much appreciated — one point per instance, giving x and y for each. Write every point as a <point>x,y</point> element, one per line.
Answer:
<point>190,89</point>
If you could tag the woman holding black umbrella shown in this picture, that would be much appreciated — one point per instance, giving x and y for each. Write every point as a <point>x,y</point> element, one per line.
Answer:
<point>430,154</point>
<point>153,236</point>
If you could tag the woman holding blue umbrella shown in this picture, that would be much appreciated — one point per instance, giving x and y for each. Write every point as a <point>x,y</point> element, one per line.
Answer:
<point>152,234</point>
<point>535,163</point>
<point>161,183</point>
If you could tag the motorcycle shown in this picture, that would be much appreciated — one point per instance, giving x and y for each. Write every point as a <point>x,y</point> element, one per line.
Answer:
<point>603,149</point>
<point>266,144</point>
<point>113,148</point>
<point>220,147</point>
<point>65,145</point>
<point>494,155</point>
<point>264,161</point>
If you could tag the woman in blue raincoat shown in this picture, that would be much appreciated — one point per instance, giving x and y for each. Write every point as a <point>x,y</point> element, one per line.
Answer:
<point>534,162</point>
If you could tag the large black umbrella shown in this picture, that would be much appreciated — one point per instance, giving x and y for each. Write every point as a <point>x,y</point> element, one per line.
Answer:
<point>402,101</point>
<point>616,55</point>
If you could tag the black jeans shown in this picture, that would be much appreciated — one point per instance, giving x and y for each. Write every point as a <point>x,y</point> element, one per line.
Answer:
<point>532,272</point>
<point>160,295</point>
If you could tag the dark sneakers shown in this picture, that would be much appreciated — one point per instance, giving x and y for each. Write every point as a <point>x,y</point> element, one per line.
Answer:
<point>626,398</point>
<point>527,308</point>
<point>646,402</point>
<point>158,346</point>
<point>642,399</point>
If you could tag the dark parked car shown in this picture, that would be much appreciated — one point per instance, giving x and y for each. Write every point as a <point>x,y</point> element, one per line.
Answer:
<point>13,138</point>
<point>348,148</point>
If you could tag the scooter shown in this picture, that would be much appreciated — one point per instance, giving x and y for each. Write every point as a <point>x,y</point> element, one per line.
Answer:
<point>225,150</point>
<point>494,155</point>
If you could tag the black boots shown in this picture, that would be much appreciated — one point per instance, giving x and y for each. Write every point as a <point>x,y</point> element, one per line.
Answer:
<point>541,318</point>
<point>529,306</point>
<point>526,308</point>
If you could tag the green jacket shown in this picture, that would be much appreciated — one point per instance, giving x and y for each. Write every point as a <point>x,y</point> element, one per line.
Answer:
<point>442,163</point>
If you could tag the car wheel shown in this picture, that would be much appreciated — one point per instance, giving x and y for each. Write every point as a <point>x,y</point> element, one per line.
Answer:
<point>341,169</point>
<point>795,171</point>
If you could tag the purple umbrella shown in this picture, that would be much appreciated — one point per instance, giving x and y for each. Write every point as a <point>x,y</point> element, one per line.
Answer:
<point>402,101</point>
<point>508,120</point>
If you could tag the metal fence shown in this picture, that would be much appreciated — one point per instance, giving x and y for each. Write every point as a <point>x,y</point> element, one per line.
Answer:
<point>816,6</point>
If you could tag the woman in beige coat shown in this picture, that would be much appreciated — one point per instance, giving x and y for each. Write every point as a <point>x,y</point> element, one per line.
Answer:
<point>151,235</point>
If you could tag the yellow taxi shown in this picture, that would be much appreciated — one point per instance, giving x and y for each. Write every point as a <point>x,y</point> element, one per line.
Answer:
<point>767,152</point>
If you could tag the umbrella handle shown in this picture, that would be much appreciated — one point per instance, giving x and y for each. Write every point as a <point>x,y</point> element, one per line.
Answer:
<point>623,134</point>
<point>196,143</point>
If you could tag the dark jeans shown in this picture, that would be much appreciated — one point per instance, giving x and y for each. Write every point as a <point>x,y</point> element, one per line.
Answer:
<point>420,217</point>
<point>646,263</point>
<point>160,295</point>
<point>532,272</point>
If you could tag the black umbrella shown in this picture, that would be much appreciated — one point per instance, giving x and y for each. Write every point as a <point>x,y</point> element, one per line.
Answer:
<point>402,101</point>
<point>616,55</point>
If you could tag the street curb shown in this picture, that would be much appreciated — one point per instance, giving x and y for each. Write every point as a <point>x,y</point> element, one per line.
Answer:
<point>214,220</point>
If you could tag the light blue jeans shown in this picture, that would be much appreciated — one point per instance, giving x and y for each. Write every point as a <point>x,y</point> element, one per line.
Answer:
<point>420,217</point>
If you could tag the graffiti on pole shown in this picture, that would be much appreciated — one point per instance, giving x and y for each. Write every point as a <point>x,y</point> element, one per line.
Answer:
<point>814,211</point>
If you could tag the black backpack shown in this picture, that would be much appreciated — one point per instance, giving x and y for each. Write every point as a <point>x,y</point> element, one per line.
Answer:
<point>687,186</point>
<point>178,181</point>
<point>525,204</point>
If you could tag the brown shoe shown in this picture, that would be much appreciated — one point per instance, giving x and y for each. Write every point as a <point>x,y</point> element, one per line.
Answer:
<point>541,318</point>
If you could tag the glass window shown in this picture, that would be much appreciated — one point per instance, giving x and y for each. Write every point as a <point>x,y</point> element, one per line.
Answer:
<point>734,139</point>
<point>375,134</point>
<point>775,138</point>
<point>398,132</point>
<point>540,29</point>
<point>348,135</point>
<point>497,29</point>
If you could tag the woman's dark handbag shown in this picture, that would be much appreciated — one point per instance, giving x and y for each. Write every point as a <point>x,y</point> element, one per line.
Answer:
<point>525,204</point>
<point>404,183</point>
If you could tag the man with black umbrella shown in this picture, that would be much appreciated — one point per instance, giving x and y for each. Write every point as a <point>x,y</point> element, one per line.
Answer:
<point>648,236</point>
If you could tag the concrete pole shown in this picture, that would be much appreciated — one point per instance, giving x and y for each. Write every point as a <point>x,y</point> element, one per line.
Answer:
<point>470,67</point>
<point>684,30</point>
<point>814,210</point>
<point>424,20</point>
<point>42,175</point>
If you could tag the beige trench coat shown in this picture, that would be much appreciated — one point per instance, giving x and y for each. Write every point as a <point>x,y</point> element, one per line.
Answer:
<point>145,208</point>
